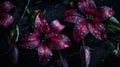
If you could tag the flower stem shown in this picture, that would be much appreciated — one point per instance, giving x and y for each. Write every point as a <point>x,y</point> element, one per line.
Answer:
<point>118,46</point>
<point>28,11</point>
<point>60,55</point>
<point>25,9</point>
<point>111,38</point>
<point>83,42</point>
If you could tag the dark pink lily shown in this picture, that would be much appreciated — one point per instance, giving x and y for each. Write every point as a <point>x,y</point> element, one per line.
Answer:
<point>45,38</point>
<point>88,18</point>
<point>6,6</point>
<point>5,19</point>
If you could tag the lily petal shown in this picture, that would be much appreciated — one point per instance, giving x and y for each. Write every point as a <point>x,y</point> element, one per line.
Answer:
<point>80,31</point>
<point>57,26</point>
<point>71,12</point>
<point>41,24</point>
<point>101,27</point>
<point>74,19</point>
<point>30,41</point>
<point>15,55</point>
<point>85,4</point>
<point>44,54</point>
<point>6,6</point>
<point>95,32</point>
<point>59,41</point>
<point>5,20</point>
<point>105,12</point>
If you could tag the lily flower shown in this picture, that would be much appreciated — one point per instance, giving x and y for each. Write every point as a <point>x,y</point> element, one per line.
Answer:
<point>6,6</point>
<point>5,19</point>
<point>88,18</point>
<point>45,39</point>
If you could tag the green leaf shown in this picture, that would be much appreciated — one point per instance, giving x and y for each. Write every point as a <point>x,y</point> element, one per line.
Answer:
<point>112,28</point>
<point>32,20</point>
<point>14,35</point>
<point>113,20</point>
<point>112,25</point>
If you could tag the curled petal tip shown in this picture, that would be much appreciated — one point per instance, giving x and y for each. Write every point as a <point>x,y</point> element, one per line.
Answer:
<point>57,26</point>
<point>105,12</point>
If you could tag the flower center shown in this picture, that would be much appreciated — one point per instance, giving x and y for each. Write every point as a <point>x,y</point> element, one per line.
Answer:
<point>44,38</point>
<point>89,17</point>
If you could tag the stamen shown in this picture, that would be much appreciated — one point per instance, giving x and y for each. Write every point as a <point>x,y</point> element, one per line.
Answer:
<point>89,17</point>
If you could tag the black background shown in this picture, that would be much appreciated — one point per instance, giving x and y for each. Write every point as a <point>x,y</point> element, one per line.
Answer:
<point>54,10</point>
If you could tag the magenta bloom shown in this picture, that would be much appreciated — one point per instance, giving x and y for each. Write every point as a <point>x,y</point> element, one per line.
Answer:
<point>6,6</point>
<point>88,18</point>
<point>5,19</point>
<point>45,38</point>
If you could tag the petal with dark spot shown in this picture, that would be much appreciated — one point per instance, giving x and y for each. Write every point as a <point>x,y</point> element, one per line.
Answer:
<point>98,24</point>
<point>95,32</point>
<point>101,27</point>
<point>80,31</point>
<point>58,41</point>
<point>41,24</point>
